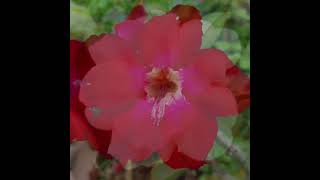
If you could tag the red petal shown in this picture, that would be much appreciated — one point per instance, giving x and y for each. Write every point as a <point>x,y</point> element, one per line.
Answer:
<point>239,83</point>
<point>137,12</point>
<point>186,13</point>
<point>188,128</point>
<point>111,88</point>
<point>189,43</point>
<point>100,141</point>
<point>210,64</point>
<point>128,29</point>
<point>80,129</point>
<point>110,48</point>
<point>157,41</point>
<point>80,59</point>
<point>134,137</point>
<point>215,100</point>
<point>179,160</point>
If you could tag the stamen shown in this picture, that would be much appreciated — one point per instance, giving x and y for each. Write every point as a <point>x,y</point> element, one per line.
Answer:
<point>163,88</point>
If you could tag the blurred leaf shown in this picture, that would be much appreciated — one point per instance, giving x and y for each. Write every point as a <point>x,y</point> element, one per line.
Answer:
<point>210,35</point>
<point>81,23</point>
<point>103,163</point>
<point>212,26</point>
<point>217,19</point>
<point>163,172</point>
<point>82,2</point>
<point>241,13</point>
<point>206,169</point>
<point>98,8</point>
<point>228,41</point>
<point>153,159</point>
<point>173,3</point>
<point>216,36</point>
<point>225,125</point>
<point>245,59</point>
<point>242,125</point>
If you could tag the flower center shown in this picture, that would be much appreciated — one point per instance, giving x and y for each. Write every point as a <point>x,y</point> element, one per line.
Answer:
<point>163,88</point>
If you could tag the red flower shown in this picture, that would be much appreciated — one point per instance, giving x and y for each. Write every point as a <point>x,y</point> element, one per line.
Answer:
<point>80,129</point>
<point>158,91</point>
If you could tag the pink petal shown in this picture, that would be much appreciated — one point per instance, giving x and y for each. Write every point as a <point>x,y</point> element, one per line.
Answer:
<point>110,48</point>
<point>128,29</point>
<point>162,41</point>
<point>210,64</point>
<point>109,89</point>
<point>192,131</point>
<point>157,41</point>
<point>189,42</point>
<point>134,136</point>
<point>215,100</point>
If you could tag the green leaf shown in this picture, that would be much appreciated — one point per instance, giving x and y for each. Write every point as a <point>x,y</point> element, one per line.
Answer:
<point>81,23</point>
<point>228,41</point>
<point>217,19</point>
<point>225,125</point>
<point>241,127</point>
<point>163,172</point>
<point>245,59</point>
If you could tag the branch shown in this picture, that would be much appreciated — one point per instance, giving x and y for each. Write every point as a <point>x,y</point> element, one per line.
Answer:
<point>234,151</point>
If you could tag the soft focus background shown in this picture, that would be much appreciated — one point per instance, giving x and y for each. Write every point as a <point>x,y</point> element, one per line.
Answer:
<point>226,26</point>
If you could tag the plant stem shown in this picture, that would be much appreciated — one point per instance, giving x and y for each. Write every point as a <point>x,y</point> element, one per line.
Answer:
<point>234,151</point>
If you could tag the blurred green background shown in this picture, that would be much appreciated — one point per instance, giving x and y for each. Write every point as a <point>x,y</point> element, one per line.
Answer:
<point>226,26</point>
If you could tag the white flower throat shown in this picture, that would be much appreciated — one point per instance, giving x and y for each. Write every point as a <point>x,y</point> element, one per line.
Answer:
<point>164,86</point>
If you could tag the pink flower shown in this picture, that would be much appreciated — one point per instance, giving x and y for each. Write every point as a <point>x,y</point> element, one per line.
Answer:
<point>158,91</point>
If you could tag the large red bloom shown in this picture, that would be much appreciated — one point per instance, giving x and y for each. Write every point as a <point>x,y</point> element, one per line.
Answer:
<point>158,91</point>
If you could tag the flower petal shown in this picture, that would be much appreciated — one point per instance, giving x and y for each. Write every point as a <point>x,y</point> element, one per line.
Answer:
<point>157,41</point>
<point>134,137</point>
<point>80,64</point>
<point>80,129</point>
<point>110,47</point>
<point>214,100</point>
<point>211,64</point>
<point>190,34</point>
<point>192,131</point>
<point>137,13</point>
<point>109,89</point>
<point>128,29</point>
<point>179,160</point>
<point>174,43</point>
<point>186,13</point>
<point>239,84</point>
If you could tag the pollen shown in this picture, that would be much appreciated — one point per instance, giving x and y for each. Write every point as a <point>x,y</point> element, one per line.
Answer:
<point>163,88</point>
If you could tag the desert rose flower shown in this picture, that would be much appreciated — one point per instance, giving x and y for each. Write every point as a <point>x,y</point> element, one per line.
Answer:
<point>157,91</point>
